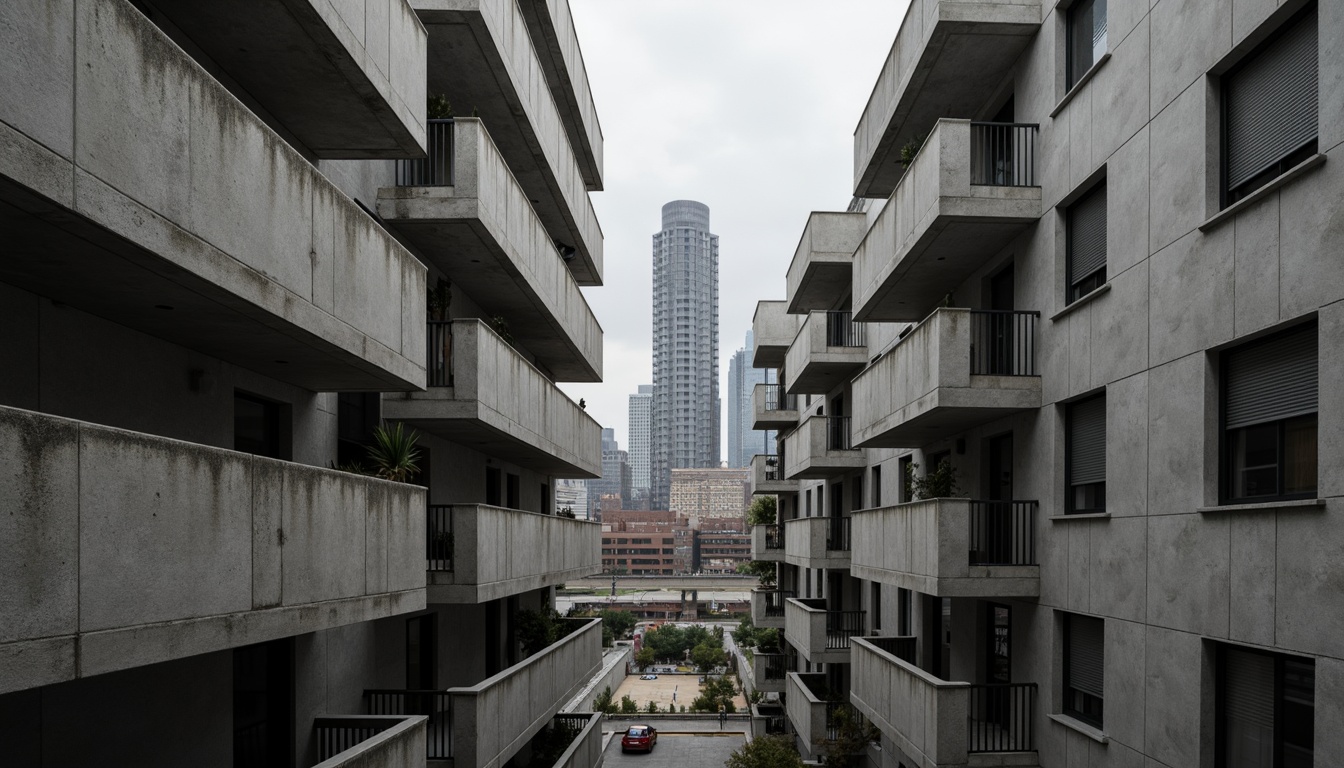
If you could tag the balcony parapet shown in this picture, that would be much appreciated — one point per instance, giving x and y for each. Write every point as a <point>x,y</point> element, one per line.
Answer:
<point>829,348</point>
<point>821,447</point>
<point>585,751</point>
<point>772,331</point>
<point>950,547</point>
<point>477,553</point>
<point>767,476</point>
<point>124,549</point>
<point>768,671</point>
<point>767,607</point>
<point>370,741</point>
<point>817,542</point>
<point>767,543</point>
<point>773,408</point>
<point>822,267</point>
<point>813,716</point>
<point>821,636</point>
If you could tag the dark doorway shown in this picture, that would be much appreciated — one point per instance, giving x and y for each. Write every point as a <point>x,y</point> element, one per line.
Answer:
<point>1001,289</point>
<point>420,644</point>
<point>493,638</point>
<point>992,528</point>
<point>493,479</point>
<point>511,499</point>
<point>1000,463</point>
<point>998,664</point>
<point>938,634</point>
<point>256,426</point>
<point>263,705</point>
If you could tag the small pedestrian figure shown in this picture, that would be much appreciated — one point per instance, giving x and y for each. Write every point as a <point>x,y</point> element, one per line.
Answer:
<point>723,716</point>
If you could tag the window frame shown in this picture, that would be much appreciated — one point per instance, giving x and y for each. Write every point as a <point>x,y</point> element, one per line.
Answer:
<point>1070,503</point>
<point>1082,715</point>
<point>1077,289</point>
<point>1072,78</point>
<point>1220,707</point>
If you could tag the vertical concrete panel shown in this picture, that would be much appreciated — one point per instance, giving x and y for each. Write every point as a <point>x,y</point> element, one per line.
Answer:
<point>1188,37</point>
<point>1080,136</point>
<point>1188,574</point>
<point>324,217</point>
<point>1127,205</point>
<point>1330,416</point>
<point>1247,15</point>
<point>1190,283</point>
<point>1127,445</point>
<point>376,523</point>
<point>1079,329</point>
<point>1125,657</point>
<point>1256,272</point>
<point>1122,344</point>
<point>268,533</point>
<point>406,529</point>
<point>1172,697</point>
<point>324,536</point>
<point>1254,548</point>
<point>1119,553</point>
<point>37,48</point>
<point>368,270</point>
<point>1307,580</point>
<point>1330,25</point>
<point>1329,707</point>
<point>1177,165</point>
<point>1176,436</point>
<point>1311,229</point>
<point>1080,567</point>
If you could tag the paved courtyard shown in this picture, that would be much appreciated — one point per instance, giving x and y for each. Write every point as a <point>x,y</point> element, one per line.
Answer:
<point>678,750</point>
<point>686,688</point>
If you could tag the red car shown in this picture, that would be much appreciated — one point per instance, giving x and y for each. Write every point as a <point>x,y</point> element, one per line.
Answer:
<point>639,737</point>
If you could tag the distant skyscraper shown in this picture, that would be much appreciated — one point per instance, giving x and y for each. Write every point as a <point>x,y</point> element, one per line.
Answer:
<point>743,441</point>
<point>615,480</point>
<point>685,430</point>
<point>638,441</point>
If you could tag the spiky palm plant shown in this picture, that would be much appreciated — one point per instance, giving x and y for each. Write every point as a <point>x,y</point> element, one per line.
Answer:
<point>394,454</point>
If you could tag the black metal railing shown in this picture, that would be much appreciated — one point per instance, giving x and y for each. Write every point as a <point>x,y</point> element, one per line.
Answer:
<point>837,534</point>
<point>435,169</point>
<point>837,434</point>
<point>842,331</point>
<point>841,626</point>
<point>1003,533</point>
<point>439,353</point>
<point>774,468</point>
<point>776,399</point>
<point>439,537</point>
<point>774,536</point>
<point>903,648</point>
<point>1000,718</point>
<point>832,719</point>
<point>774,665</point>
<point>774,602</point>
<point>437,706</point>
<point>1003,154</point>
<point>336,735</point>
<point>1003,342</point>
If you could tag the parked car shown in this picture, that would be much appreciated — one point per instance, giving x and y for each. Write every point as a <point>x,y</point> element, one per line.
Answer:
<point>639,737</point>
<point>648,677</point>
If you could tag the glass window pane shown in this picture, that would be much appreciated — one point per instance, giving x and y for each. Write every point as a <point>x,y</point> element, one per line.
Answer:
<point>1255,461</point>
<point>1299,455</point>
<point>1081,39</point>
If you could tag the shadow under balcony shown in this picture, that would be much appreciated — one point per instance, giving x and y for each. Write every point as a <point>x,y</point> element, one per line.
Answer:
<point>820,448</point>
<point>772,332</point>
<point>829,349</point>
<point>822,268</point>
<point>773,408</point>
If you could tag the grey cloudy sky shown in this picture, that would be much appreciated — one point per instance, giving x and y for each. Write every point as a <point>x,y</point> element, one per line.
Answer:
<point>748,106</point>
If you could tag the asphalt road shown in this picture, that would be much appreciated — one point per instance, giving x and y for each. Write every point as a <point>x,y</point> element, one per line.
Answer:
<point>678,750</point>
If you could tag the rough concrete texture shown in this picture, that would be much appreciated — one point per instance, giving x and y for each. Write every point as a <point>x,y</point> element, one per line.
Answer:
<point>776,417</point>
<point>805,540</point>
<point>400,746</point>
<point>924,716</point>
<point>767,479</point>
<point>807,455</point>
<point>502,403</point>
<point>130,549</point>
<point>819,275</point>
<point>805,625</point>
<point>484,235</point>
<point>812,366</point>
<point>772,332</point>
<point>806,711</point>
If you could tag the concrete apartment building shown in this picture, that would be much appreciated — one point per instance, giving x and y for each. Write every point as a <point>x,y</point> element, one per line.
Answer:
<point>686,407</point>
<point>744,442</point>
<point>704,494</point>
<point>234,244</point>
<point>1092,265</point>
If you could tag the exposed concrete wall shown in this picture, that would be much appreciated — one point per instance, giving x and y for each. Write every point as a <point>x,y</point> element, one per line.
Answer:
<point>812,365</point>
<point>924,717</point>
<point>400,746</point>
<point>130,549</point>
<point>820,273</point>
<point>772,331</point>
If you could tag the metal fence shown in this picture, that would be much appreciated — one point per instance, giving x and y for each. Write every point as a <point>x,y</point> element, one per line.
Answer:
<point>903,648</point>
<point>437,706</point>
<point>1003,154</point>
<point>776,399</point>
<point>1000,718</point>
<point>1003,342</point>
<point>1003,533</point>
<point>838,534</point>
<point>774,536</point>
<point>774,468</point>
<point>837,434</point>
<point>842,331</point>
<point>439,353</point>
<point>774,602</point>
<point>776,665</point>
<point>436,168</point>
<point>841,626</point>
<point>336,735</point>
<point>439,537</point>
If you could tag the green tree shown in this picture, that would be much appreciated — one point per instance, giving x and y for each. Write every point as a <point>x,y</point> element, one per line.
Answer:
<point>628,705</point>
<point>621,622</point>
<point>939,483</point>
<point>696,635</point>
<point>604,702</point>
<point>853,734</point>
<point>761,511</point>
<point>716,692</point>
<point>762,570</point>
<point>706,657</point>
<point>766,752</point>
<point>745,634</point>
<point>538,629</point>
<point>644,659</point>
<point>667,642</point>
<point>651,707</point>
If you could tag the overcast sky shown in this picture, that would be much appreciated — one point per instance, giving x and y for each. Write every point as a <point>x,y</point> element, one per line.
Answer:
<point>748,106</point>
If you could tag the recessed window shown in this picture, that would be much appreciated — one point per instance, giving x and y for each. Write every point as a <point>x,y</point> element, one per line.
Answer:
<point>1266,709</point>
<point>1086,452</point>
<point>1270,109</point>
<point>1270,394</point>
<point>1087,242</point>
<point>257,426</point>
<point>1087,37</point>
<point>1083,667</point>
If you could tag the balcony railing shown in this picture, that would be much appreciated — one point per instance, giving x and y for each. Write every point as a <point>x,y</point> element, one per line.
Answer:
<point>439,353</point>
<point>1003,154</point>
<point>335,736</point>
<point>774,665</point>
<point>436,706</point>
<point>841,626</point>
<point>364,741</point>
<point>1003,342</point>
<point>775,600</point>
<point>777,400</point>
<point>774,469</point>
<point>439,538</point>
<point>903,647</point>
<point>1003,532</point>
<point>837,434</point>
<point>774,536</point>
<point>1001,718</point>
<point>436,168</point>
<point>838,534</point>
<point>842,331</point>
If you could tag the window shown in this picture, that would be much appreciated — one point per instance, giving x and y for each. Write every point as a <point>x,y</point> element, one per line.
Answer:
<point>1087,37</point>
<point>1269,418</point>
<point>1270,109</point>
<point>904,606</point>
<point>1083,665</point>
<point>877,607</point>
<point>907,465</point>
<point>1086,455</point>
<point>1266,708</point>
<point>877,486</point>
<point>1087,242</point>
<point>256,426</point>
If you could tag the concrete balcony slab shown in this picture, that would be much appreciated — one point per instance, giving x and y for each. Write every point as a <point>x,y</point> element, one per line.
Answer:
<point>347,80</point>
<point>767,543</point>
<point>478,226</point>
<point>767,476</point>
<point>768,671</point>
<point>767,607</point>
<point>822,268</point>
<point>494,552</point>
<point>398,741</point>
<point>949,548</point>
<point>500,404</point>
<point>819,449</point>
<point>817,542</point>
<point>809,710</point>
<point>947,61</point>
<point>482,58</point>
<point>821,636</point>
<point>772,408</point>
<point>956,370</point>
<point>828,350</point>
<point>123,549</point>
<point>967,194</point>
<point>772,331</point>
<point>143,192</point>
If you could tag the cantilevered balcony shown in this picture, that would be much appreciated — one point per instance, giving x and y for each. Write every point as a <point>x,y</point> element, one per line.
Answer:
<point>950,547</point>
<point>482,58</point>
<point>937,723</point>
<point>369,741</point>
<point>143,192</point>
<point>121,549</point>
<point>958,369</point>
<point>347,80</point>
<point>768,671</point>
<point>772,331</point>
<point>812,710</point>
<point>948,59</point>
<point>463,209</point>
<point>485,395</point>
<point>971,189</point>
<point>821,636</point>
<point>484,725</point>
<point>767,543</point>
<point>477,553</point>
<point>767,607</point>
<point>767,476</point>
<point>773,408</point>
<point>822,266</point>
<point>829,349</point>
<point>817,542</point>
<point>821,447</point>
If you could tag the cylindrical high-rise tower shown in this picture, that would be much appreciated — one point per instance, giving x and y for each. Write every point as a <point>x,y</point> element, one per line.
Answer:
<point>685,346</point>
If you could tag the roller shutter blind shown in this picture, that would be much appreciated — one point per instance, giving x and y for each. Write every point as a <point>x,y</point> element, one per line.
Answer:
<point>1248,707</point>
<point>1271,102</point>
<point>1087,442</point>
<point>1087,234</point>
<point>1272,380</point>
<point>1085,655</point>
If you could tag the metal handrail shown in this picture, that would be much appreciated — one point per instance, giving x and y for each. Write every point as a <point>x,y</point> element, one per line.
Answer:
<point>776,399</point>
<point>439,353</point>
<point>1003,532</point>
<point>1003,154</point>
<point>437,706</point>
<point>439,538</point>
<point>838,534</point>
<point>774,536</point>
<point>838,437</point>
<point>1000,717</point>
<point>842,331</point>
<point>841,626</point>
<point>1003,342</point>
<point>435,169</point>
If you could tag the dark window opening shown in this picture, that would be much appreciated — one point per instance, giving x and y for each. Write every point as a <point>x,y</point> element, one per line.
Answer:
<point>257,426</point>
<point>1084,662</point>
<point>1086,37</point>
<point>1086,248</point>
<point>1086,456</point>
<point>1266,709</point>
